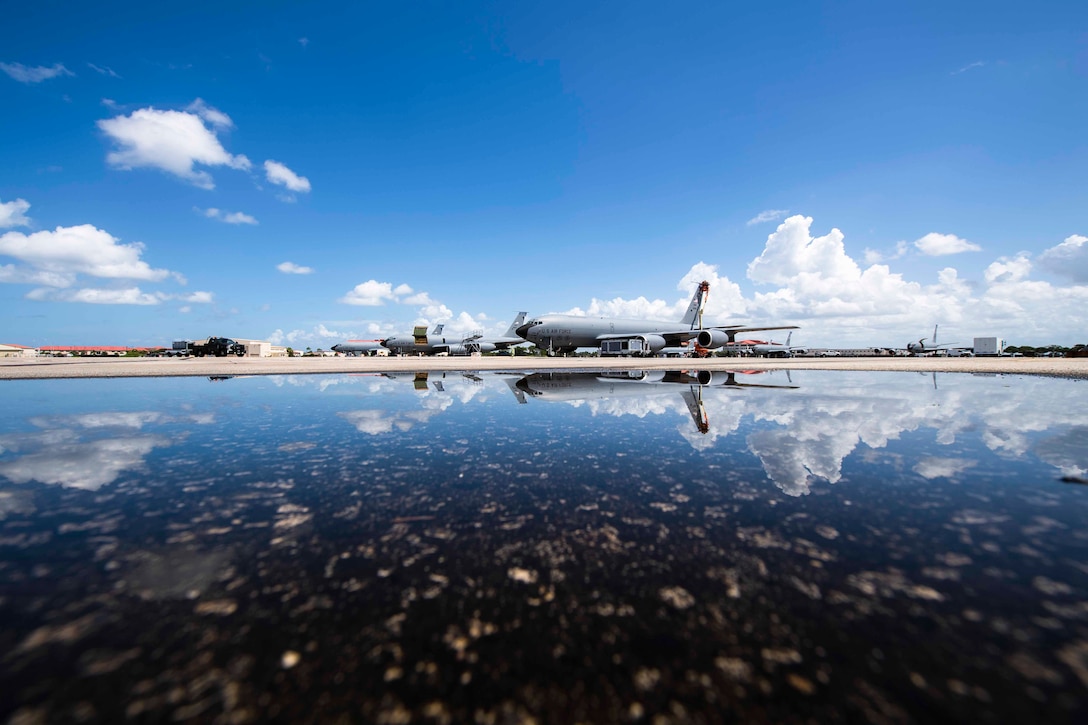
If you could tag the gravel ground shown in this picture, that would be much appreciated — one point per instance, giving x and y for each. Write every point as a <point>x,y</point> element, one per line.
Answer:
<point>41,368</point>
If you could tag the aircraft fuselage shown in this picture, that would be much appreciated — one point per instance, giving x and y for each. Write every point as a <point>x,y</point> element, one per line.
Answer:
<point>567,332</point>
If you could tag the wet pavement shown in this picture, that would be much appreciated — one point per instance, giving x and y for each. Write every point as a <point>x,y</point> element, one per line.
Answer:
<point>552,547</point>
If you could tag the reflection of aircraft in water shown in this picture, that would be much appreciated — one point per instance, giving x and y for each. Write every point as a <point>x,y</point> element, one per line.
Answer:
<point>599,385</point>
<point>426,380</point>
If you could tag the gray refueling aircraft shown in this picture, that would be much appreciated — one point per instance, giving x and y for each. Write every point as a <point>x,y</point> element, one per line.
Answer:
<point>921,348</point>
<point>566,333</point>
<point>773,349</point>
<point>435,343</point>
<point>355,347</point>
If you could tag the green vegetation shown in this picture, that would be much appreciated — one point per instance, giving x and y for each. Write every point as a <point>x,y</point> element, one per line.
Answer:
<point>1044,351</point>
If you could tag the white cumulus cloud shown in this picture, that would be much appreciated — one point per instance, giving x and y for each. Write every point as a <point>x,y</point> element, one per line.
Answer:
<point>1008,270</point>
<point>1069,259</point>
<point>292,268</point>
<point>277,173</point>
<point>937,245</point>
<point>84,249</point>
<point>13,213</point>
<point>173,141</point>
<point>37,74</point>
<point>371,293</point>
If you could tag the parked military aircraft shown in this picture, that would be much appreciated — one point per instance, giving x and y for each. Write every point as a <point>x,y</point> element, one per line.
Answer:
<point>355,347</point>
<point>566,333</point>
<point>773,349</point>
<point>921,348</point>
<point>419,342</point>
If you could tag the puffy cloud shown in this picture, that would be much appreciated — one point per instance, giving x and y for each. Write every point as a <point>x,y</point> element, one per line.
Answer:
<point>1008,270</point>
<point>13,213</point>
<point>791,251</point>
<point>811,281</point>
<point>56,259</point>
<point>63,253</point>
<point>429,309</point>
<point>277,173</point>
<point>768,215</point>
<point>234,217</point>
<point>937,245</point>
<point>292,268</point>
<point>173,141</point>
<point>1069,259</point>
<point>371,293</point>
<point>37,74</point>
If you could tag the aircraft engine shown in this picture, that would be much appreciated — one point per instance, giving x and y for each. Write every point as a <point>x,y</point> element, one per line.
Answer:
<point>706,377</point>
<point>711,339</point>
<point>652,343</point>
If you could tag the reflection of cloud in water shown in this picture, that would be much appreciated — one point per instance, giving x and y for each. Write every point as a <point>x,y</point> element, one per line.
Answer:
<point>377,422</point>
<point>791,462</point>
<point>934,467</point>
<point>1068,452</point>
<point>16,502</point>
<point>135,420</point>
<point>72,451</point>
<point>175,573</point>
<point>822,428</point>
<point>60,457</point>
<point>638,407</point>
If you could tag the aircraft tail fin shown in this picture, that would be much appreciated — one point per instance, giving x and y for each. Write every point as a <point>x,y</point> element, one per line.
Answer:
<point>694,314</point>
<point>512,331</point>
<point>788,338</point>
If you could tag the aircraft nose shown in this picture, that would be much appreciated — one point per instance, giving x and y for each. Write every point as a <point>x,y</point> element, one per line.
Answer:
<point>523,331</point>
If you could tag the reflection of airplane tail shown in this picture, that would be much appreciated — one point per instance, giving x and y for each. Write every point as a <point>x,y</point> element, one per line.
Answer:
<point>693,396</point>
<point>518,392</point>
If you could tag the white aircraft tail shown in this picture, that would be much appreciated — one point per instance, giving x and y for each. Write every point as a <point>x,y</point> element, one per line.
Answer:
<point>694,315</point>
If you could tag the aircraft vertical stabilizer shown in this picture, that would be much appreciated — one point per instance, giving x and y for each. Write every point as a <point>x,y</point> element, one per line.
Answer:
<point>693,316</point>
<point>512,331</point>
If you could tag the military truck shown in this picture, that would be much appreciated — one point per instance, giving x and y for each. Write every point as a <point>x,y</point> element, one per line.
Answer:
<point>216,346</point>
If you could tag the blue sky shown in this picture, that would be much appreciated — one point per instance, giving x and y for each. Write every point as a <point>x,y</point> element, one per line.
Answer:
<point>310,172</point>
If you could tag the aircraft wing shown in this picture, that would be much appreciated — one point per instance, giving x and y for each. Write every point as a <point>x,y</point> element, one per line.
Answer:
<point>674,337</point>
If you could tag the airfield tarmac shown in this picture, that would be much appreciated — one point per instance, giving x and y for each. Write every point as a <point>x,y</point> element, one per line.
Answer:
<point>46,368</point>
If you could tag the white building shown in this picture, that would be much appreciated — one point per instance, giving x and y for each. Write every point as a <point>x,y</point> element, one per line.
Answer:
<point>17,351</point>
